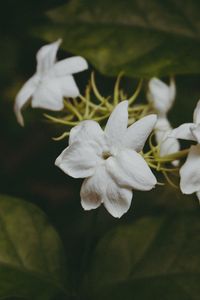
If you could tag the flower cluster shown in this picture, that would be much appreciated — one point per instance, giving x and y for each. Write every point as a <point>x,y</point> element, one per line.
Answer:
<point>112,160</point>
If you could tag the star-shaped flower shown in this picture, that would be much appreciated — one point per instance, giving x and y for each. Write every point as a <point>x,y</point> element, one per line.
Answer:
<point>162,98</point>
<point>109,160</point>
<point>190,171</point>
<point>51,82</point>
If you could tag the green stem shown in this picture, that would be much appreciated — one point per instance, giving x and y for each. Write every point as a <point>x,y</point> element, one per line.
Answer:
<point>97,94</point>
<point>116,89</point>
<point>173,156</point>
<point>97,107</point>
<point>136,93</point>
<point>73,110</point>
<point>61,137</point>
<point>60,121</point>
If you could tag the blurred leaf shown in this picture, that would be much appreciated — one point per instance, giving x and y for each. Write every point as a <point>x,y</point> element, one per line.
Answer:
<point>31,255</point>
<point>142,38</point>
<point>155,258</point>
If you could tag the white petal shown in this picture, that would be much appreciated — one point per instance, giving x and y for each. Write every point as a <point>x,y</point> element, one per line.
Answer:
<point>167,145</point>
<point>196,115</point>
<point>172,90</point>
<point>91,192</point>
<point>87,130</point>
<point>190,172</point>
<point>100,188</point>
<point>46,56</point>
<point>117,200</point>
<point>79,160</point>
<point>24,96</point>
<point>130,170</point>
<point>162,129</point>
<point>93,189</point>
<point>183,132</point>
<point>160,95</point>
<point>68,86</point>
<point>48,95</point>
<point>163,124</point>
<point>117,124</point>
<point>70,66</point>
<point>137,134</point>
<point>50,92</point>
<point>195,129</point>
<point>198,195</point>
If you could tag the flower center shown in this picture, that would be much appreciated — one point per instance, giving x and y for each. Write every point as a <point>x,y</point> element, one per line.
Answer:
<point>106,155</point>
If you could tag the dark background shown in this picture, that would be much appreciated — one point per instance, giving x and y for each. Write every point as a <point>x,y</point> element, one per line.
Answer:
<point>27,154</point>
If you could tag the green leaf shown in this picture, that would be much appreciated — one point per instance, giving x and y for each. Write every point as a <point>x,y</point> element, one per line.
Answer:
<point>32,263</point>
<point>155,258</point>
<point>142,38</point>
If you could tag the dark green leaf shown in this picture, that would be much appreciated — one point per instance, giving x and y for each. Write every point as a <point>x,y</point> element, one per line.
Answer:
<point>31,255</point>
<point>155,258</point>
<point>142,38</point>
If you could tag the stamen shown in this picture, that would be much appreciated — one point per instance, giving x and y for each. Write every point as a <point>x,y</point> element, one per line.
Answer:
<point>106,155</point>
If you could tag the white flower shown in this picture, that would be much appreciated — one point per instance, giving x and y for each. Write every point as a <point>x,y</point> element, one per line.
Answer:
<point>109,160</point>
<point>162,98</point>
<point>189,131</point>
<point>51,82</point>
<point>190,171</point>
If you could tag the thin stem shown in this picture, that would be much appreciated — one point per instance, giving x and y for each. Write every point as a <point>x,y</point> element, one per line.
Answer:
<point>96,92</point>
<point>116,89</point>
<point>136,93</point>
<point>101,118</point>
<point>131,121</point>
<point>92,104</point>
<point>73,110</point>
<point>169,180</point>
<point>173,156</point>
<point>87,102</point>
<point>96,109</point>
<point>62,136</point>
<point>138,107</point>
<point>60,121</point>
<point>123,96</point>
<point>68,117</point>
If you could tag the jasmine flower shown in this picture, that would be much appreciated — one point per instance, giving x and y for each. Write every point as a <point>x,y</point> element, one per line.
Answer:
<point>190,171</point>
<point>51,82</point>
<point>109,160</point>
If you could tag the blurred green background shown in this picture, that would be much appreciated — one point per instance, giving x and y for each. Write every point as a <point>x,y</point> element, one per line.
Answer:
<point>153,252</point>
